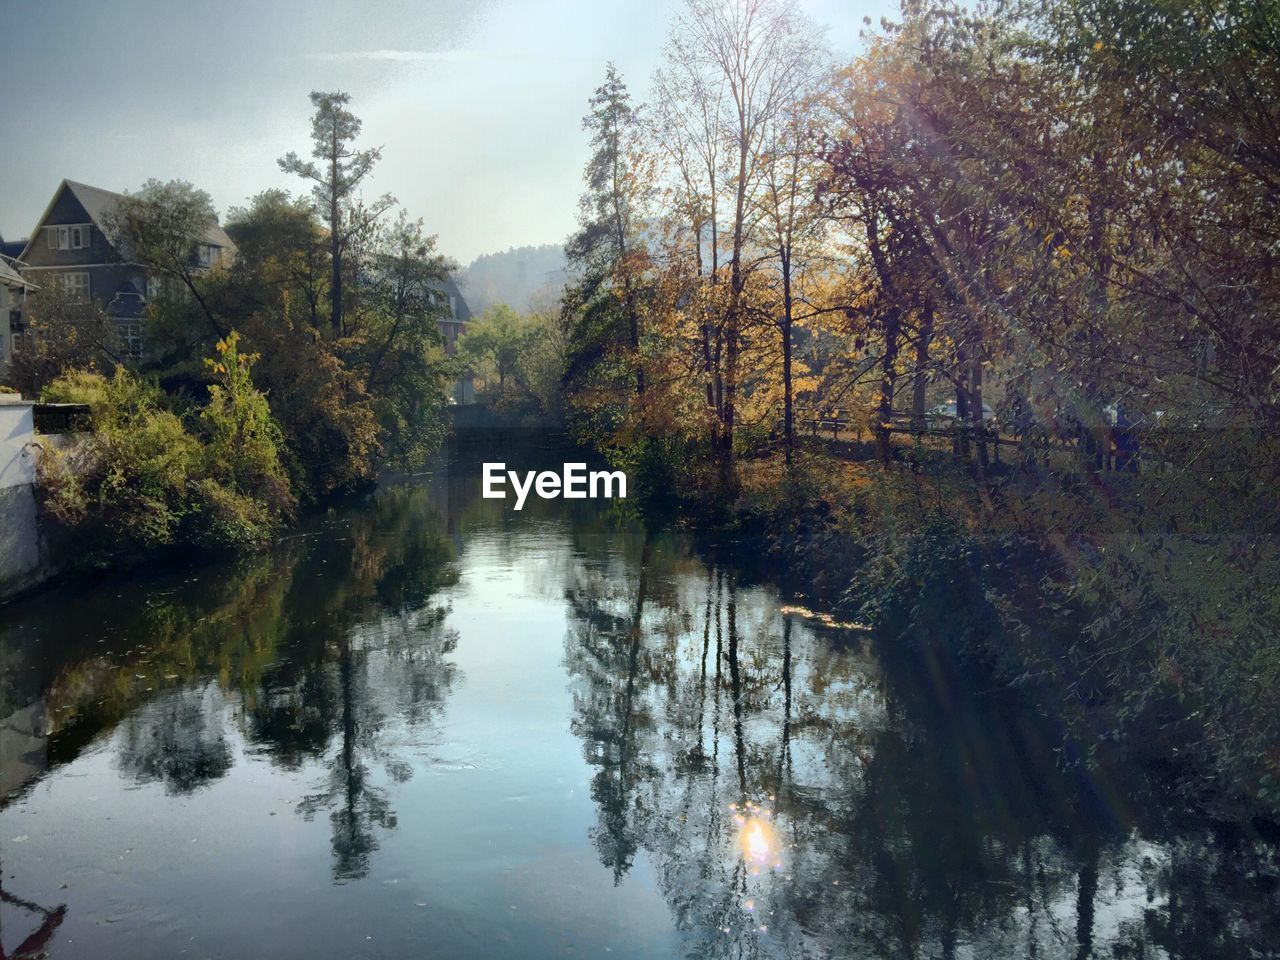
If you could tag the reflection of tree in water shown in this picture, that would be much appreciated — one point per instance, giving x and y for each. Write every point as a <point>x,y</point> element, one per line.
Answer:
<point>369,664</point>
<point>607,653</point>
<point>176,739</point>
<point>328,649</point>
<point>900,823</point>
<point>395,674</point>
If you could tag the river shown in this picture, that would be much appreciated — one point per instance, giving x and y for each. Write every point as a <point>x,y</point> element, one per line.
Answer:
<point>425,725</point>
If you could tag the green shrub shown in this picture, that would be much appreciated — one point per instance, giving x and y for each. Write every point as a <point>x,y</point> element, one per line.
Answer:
<point>242,441</point>
<point>140,481</point>
<point>123,489</point>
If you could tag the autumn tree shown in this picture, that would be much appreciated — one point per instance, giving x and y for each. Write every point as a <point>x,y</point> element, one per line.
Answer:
<point>794,227</point>
<point>744,62</point>
<point>278,285</point>
<point>64,333</point>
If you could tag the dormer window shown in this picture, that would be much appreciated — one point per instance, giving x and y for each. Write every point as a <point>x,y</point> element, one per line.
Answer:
<point>208,254</point>
<point>75,236</point>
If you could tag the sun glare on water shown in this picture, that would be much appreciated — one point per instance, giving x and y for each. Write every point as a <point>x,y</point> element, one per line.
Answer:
<point>757,839</point>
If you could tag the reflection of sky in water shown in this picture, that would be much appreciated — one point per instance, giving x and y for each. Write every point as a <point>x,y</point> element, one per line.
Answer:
<point>492,736</point>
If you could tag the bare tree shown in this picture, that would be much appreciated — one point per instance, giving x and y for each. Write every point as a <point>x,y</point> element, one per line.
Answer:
<point>744,62</point>
<point>793,226</point>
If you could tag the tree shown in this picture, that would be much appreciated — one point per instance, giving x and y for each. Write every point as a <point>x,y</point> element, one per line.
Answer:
<point>65,333</point>
<point>750,59</point>
<point>242,446</point>
<point>497,341</point>
<point>162,227</point>
<point>338,173</point>
<point>541,373</point>
<point>606,253</point>
<point>396,346</point>
<point>280,247</point>
<point>793,226</point>
<point>278,285</point>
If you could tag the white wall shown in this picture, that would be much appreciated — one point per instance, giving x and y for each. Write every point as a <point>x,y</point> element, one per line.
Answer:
<point>20,564</point>
<point>17,436</point>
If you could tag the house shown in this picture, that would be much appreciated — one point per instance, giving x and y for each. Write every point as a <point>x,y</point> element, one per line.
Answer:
<point>13,295</point>
<point>12,249</point>
<point>70,246</point>
<point>455,325</point>
<point>451,328</point>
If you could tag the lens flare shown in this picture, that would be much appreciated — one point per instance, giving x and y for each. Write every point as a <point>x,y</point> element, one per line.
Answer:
<point>758,841</point>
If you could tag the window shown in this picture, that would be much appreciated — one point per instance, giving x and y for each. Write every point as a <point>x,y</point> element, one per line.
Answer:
<point>208,254</point>
<point>76,285</point>
<point>71,237</point>
<point>131,338</point>
<point>2,353</point>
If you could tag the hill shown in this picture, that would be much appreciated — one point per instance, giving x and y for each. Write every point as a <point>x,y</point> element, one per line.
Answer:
<point>518,277</point>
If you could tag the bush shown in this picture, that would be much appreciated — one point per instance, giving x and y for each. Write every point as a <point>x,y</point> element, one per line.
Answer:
<point>929,586</point>
<point>140,482</point>
<point>242,440</point>
<point>123,490</point>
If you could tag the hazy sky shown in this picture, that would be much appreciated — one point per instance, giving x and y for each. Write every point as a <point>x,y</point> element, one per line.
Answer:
<point>477,105</point>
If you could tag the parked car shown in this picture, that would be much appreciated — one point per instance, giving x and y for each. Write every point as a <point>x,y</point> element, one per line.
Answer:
<point>947,411</point>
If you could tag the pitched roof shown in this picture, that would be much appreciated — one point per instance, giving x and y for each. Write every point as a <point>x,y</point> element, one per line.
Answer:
<point>9,276</point>
<point>99,204</point>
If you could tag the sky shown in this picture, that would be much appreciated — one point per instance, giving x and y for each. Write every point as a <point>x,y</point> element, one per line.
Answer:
<point>477,104</point>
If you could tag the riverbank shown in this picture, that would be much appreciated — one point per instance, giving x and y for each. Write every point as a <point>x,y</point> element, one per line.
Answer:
<point>1146,635</point>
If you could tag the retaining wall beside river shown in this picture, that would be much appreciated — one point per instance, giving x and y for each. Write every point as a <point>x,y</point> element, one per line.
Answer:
<point>21,555</point>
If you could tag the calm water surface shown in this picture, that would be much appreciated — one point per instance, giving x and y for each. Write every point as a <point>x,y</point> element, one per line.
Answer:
<point>429,727</point>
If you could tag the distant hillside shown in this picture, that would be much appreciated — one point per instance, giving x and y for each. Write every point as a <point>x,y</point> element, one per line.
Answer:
<point>519,277</point>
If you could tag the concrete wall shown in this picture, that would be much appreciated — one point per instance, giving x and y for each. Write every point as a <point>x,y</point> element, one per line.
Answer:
<point>20,556</point>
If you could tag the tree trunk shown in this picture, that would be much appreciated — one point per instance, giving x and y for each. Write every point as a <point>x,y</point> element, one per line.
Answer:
<point>892,324</point>
<point>335,242</point>
<point>961,444</point>
<point>728,478</point>
<point>335,281</point>
<point>788,413</point>
<point>918,388</point>
<point>976,413</point>
<point>888,373</point>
